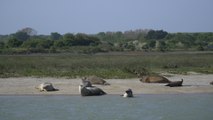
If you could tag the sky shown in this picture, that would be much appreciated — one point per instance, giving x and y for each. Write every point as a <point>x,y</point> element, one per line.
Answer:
<point>93,16</point>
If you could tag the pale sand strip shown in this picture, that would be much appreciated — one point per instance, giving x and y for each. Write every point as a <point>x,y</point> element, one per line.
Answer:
<point>198,83</point>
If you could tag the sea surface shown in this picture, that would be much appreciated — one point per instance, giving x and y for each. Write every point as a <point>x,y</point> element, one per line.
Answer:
<point>108,107</point>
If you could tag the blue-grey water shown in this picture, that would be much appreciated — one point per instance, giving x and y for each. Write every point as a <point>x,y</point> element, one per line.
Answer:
<point>108,107</point>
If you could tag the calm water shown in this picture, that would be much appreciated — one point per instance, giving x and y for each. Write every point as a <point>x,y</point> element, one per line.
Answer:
<point>109,107</point>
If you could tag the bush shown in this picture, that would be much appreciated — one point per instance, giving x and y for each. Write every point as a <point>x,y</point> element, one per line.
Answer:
<point>14,43</point>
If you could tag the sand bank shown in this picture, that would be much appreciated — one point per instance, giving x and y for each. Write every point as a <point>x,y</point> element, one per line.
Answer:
<point>194,83</point>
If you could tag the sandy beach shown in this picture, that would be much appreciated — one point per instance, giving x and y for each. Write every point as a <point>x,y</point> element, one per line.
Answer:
<point>193,83</point>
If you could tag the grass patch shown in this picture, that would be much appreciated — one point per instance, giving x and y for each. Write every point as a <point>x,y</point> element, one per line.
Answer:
<point>106,66</point>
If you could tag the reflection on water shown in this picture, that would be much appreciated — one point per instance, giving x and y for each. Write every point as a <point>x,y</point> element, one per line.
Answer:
<point>108,107</point>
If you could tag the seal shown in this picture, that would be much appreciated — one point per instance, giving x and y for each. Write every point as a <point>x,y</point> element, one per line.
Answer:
<point>86,89</point>
<point>175,83</point>
<point>128,93</point>
<point>46,87</point>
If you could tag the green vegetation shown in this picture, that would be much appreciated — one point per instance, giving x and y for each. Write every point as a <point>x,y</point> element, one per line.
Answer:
<point>76,55</point>
<point>26,41</point>
<point>122,65</point>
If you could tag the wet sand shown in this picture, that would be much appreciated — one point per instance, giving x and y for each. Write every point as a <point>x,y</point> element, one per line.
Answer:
<point>193,83</point>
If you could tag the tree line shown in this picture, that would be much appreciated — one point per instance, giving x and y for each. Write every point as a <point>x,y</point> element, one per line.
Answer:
<point>27,41</point>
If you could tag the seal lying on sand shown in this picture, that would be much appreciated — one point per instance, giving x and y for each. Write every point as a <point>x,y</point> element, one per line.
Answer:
<point>128,93</point>
<point>46,87</point>
<point>154,79</point>
<point>175,83</point>
<point>96,80</point>
<point>86,89</point>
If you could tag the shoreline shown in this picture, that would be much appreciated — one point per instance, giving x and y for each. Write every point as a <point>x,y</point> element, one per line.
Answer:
<point>135,95</point>
<point>25,86</point>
